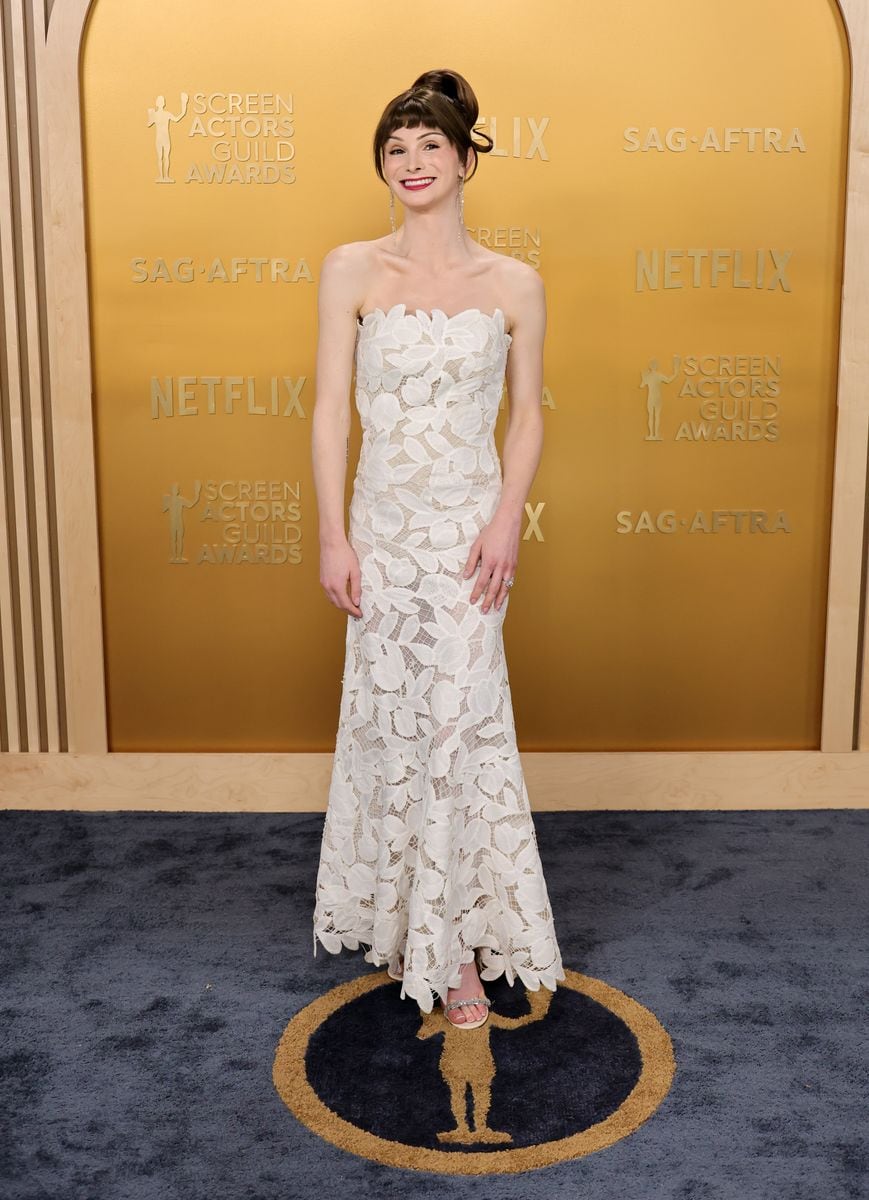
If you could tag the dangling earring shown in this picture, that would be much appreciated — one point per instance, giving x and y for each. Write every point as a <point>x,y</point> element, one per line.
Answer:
<point>392,217</point>
<point>461,208</point>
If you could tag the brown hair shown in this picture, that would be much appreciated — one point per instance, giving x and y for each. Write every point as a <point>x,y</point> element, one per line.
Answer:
<point>446,101</point>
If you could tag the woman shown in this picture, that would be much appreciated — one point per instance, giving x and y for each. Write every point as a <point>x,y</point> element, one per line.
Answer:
<point>429,855</point>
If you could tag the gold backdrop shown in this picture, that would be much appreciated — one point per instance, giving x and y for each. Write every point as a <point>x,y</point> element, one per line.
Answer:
<point>676,173</point>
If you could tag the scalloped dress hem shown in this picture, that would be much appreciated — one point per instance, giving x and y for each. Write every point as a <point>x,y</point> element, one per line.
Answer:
<point>425,990</point>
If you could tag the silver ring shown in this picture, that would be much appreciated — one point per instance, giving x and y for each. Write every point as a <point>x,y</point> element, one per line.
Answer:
<point>508,582</point>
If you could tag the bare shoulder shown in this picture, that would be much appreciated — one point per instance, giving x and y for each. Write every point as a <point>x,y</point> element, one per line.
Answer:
<point>343,275</point>
<point>522,282</point>
<point>524,292</point>
<point>346,259</point>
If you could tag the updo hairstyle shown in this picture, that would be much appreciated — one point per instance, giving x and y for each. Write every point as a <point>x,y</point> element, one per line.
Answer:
<point>446,101</point>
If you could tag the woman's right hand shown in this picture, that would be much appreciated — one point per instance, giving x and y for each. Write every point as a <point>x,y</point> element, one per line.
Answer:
<point>338,565</point>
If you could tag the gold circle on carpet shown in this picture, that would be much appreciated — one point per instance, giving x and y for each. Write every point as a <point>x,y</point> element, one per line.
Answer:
<point>292,1084</point>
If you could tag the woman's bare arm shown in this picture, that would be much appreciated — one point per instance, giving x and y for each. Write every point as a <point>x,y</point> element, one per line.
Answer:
<point>330,424</point>
<point>496,550</point>
<point>523,437</point>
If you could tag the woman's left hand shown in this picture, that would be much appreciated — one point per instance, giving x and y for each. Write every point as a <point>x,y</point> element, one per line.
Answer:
<point>497,552</point>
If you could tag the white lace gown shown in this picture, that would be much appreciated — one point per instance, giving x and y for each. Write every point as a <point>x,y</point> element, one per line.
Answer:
<point>428,848</point>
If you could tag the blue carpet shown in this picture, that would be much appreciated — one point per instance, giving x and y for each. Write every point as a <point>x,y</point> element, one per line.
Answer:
<point>152,961</point>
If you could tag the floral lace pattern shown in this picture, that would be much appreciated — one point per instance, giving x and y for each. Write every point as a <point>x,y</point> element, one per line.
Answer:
<point>429,849</point>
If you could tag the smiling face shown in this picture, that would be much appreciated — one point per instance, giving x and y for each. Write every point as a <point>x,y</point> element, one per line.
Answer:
<point>421,162</point>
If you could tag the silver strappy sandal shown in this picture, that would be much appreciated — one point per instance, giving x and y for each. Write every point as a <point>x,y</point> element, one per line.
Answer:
<point>468,1024</point>
<point>484,1000</point>
<point>461,1003</point>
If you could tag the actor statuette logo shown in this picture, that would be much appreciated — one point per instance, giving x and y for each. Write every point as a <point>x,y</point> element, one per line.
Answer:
<point>239,522</point>
<point>231,138</point>
<point>550,1076</point>
<point>716,398</point>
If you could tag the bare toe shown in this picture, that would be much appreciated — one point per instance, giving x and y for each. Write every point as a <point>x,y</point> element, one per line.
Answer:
<point>471,986</point>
